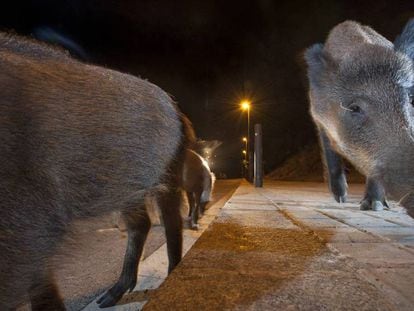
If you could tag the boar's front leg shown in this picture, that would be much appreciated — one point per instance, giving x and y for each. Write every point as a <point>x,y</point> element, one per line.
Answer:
<point>335,168</point>
<point>408,202</point>
<point>138,224</point>
<point>374,198</point>
<point>44,294</point>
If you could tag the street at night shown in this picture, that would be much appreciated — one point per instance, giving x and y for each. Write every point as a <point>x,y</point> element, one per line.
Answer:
<point>206,155</point>
<point>287,245</point>
<point>91,267</point>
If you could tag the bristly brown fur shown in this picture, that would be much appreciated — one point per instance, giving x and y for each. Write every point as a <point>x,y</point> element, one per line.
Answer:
<point>78,141</point>
<point>361,91</point>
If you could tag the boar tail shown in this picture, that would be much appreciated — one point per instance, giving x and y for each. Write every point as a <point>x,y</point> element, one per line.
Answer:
<point>208,185</point>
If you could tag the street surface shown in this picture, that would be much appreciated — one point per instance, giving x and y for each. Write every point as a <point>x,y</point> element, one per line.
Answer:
<point>91,261</point>
<point>289,246</point>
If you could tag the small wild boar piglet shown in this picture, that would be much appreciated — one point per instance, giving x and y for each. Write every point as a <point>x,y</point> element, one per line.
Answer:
<point>78,141</point>
<point>361,99</point>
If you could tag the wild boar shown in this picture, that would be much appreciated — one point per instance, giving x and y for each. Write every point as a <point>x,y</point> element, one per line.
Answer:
<point>198,182</point>
<point>78,141</point>
<point>361,99</point>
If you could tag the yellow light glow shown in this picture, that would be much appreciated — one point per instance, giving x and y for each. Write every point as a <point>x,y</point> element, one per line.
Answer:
<point>244,139</point>
<point>245,105</point>
<point>244,151</point>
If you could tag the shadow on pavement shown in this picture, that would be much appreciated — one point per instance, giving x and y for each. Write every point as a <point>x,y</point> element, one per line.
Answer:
<point>233,266</point>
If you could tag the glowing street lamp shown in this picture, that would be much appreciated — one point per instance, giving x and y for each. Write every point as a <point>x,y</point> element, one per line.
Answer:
<point>244,139</point>
<point>245,105</point>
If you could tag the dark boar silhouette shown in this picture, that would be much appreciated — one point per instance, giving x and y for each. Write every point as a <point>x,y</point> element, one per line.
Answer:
<point>198,182</point>
<point>77,141</point>
<point>361,99</point>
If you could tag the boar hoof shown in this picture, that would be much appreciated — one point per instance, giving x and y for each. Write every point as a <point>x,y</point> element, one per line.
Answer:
<point>338,187</point>
<point>108,300</point>
<point>194,226</point>
<point>408,203</point>
<point>376,206</point>
<point>365,205</point>
<point>112,296</point>
<point>410,211</point>
<point>340,198</point>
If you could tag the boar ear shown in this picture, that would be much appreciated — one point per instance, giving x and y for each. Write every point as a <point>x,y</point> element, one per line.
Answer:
<point>318,62</point>
<point>350,36</point>
<point>405,41</point>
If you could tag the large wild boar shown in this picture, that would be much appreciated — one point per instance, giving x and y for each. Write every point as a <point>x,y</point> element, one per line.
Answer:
<point>361,95</point>
<point>78,141</point>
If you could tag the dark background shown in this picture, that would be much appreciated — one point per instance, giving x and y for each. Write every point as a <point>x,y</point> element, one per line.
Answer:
<point>211,54</point>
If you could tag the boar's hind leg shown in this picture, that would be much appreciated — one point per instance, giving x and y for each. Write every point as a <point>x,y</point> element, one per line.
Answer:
<point>335,167</point>
<point>170,205</point>
<point>191,202</point>
<point>44,294</point>
<point>193,209</point>
<point>138,224</point>
<point>196,210</point>
<point>374,198</point>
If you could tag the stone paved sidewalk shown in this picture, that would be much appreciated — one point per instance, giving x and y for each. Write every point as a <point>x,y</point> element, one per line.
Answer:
<point>153,269</point>
<point>289,246</point>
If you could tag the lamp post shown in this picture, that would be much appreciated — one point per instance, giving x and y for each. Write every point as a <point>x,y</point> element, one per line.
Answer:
<point>245,106</point>
<point>245,142</point>
<point>244,165</point>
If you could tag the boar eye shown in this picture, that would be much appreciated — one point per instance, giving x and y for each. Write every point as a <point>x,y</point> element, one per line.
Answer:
<point>355,109</point>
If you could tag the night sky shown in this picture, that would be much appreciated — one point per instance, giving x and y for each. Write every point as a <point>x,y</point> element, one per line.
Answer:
<point>211,54</point>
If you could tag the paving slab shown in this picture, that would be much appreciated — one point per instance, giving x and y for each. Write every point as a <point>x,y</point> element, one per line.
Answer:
<point>288,246</point>
<point>347,235</point>
<point>394,282</point>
